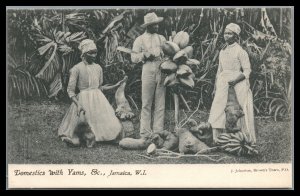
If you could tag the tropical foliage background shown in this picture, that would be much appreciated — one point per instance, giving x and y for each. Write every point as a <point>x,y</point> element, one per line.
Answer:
<point>42,47</point>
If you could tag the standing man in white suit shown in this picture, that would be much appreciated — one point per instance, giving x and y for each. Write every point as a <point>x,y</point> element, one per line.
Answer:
<point>147,49</point>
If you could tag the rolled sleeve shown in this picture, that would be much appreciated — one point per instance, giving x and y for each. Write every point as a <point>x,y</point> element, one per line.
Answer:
<point>163,39</point>
<point>245,63</point>
<point>72,82</point>
<point>138,56</point>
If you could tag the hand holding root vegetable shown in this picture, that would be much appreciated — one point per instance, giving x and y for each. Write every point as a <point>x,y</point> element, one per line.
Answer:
<point>148,56</point>
<point>79,106</point>
<point>240,78</point>
<point>233,111</point>
<point>80,109</point>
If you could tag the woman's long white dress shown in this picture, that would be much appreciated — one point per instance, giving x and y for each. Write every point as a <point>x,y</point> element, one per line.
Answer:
<point>99,113</point>
<point>233,61</point>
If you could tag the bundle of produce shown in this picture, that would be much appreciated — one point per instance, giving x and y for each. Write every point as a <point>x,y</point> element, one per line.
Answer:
<point>178,59</point>
<point>236,143</point>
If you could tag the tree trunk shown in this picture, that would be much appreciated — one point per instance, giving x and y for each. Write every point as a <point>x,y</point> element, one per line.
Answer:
<point>63,21</point>
<point>280,23</point>
<point>176,104</point>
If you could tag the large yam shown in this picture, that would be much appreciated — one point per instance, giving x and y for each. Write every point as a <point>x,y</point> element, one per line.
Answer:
<point>192,123</point>
<point>85,134</point>
<point>123,111</point>
<point>157,140</point>
<point>120,93</point>
<point>203,131</point>
<point>188,143</point>
<point>170,48</point>
<point>192,62</point>
<point>170,140</point>
<point>180,57</point>
<point>168,67</point>
<point>188,81</point>
<point>184,71</point>
<point>206,133</point>
<point>182,39</point>
<point>189,51</point>
<point>171,80</point>
<point>84,131</point>
<point>233,111</point>
<point>127,129</point>
<point>134,144</point>
<point>163,133</point>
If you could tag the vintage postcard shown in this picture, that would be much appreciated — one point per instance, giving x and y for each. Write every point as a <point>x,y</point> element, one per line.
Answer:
<point>150,97</point>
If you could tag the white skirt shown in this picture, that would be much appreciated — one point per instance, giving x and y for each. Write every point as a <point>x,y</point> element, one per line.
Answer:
<point>217,115</point>
<point>99,114</point>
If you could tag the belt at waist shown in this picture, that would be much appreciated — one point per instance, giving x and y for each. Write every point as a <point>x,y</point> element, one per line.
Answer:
<point>230,71</point>
<point>156,59</point>
<point>88,89</point>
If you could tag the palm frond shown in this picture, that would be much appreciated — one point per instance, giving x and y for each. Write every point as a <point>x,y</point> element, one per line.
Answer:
<point>40,74</point>
<point>55,86</point>
<point>114,20</point>
<point>23,85</point>
<point>53,67</point>
<point>43,49</point>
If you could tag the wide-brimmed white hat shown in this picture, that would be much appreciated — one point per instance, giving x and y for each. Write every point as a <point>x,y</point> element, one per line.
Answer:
<point>234,28</point>
<point>151,18</point>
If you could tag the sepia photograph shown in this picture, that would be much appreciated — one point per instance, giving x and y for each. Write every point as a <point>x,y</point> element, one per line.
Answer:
<point>102,95</point>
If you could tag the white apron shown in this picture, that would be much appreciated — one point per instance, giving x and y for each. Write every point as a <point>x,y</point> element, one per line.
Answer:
<point>217,115</point>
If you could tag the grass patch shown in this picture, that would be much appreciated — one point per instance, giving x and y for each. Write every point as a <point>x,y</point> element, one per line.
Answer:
<point>32,138</point>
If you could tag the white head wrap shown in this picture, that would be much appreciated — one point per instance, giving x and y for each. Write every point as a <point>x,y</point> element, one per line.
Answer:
<point>87,45</point>
<point>234,28</point>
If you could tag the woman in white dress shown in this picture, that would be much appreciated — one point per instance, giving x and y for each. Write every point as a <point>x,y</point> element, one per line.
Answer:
<point>100,115</point>
<point>234,70</point>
